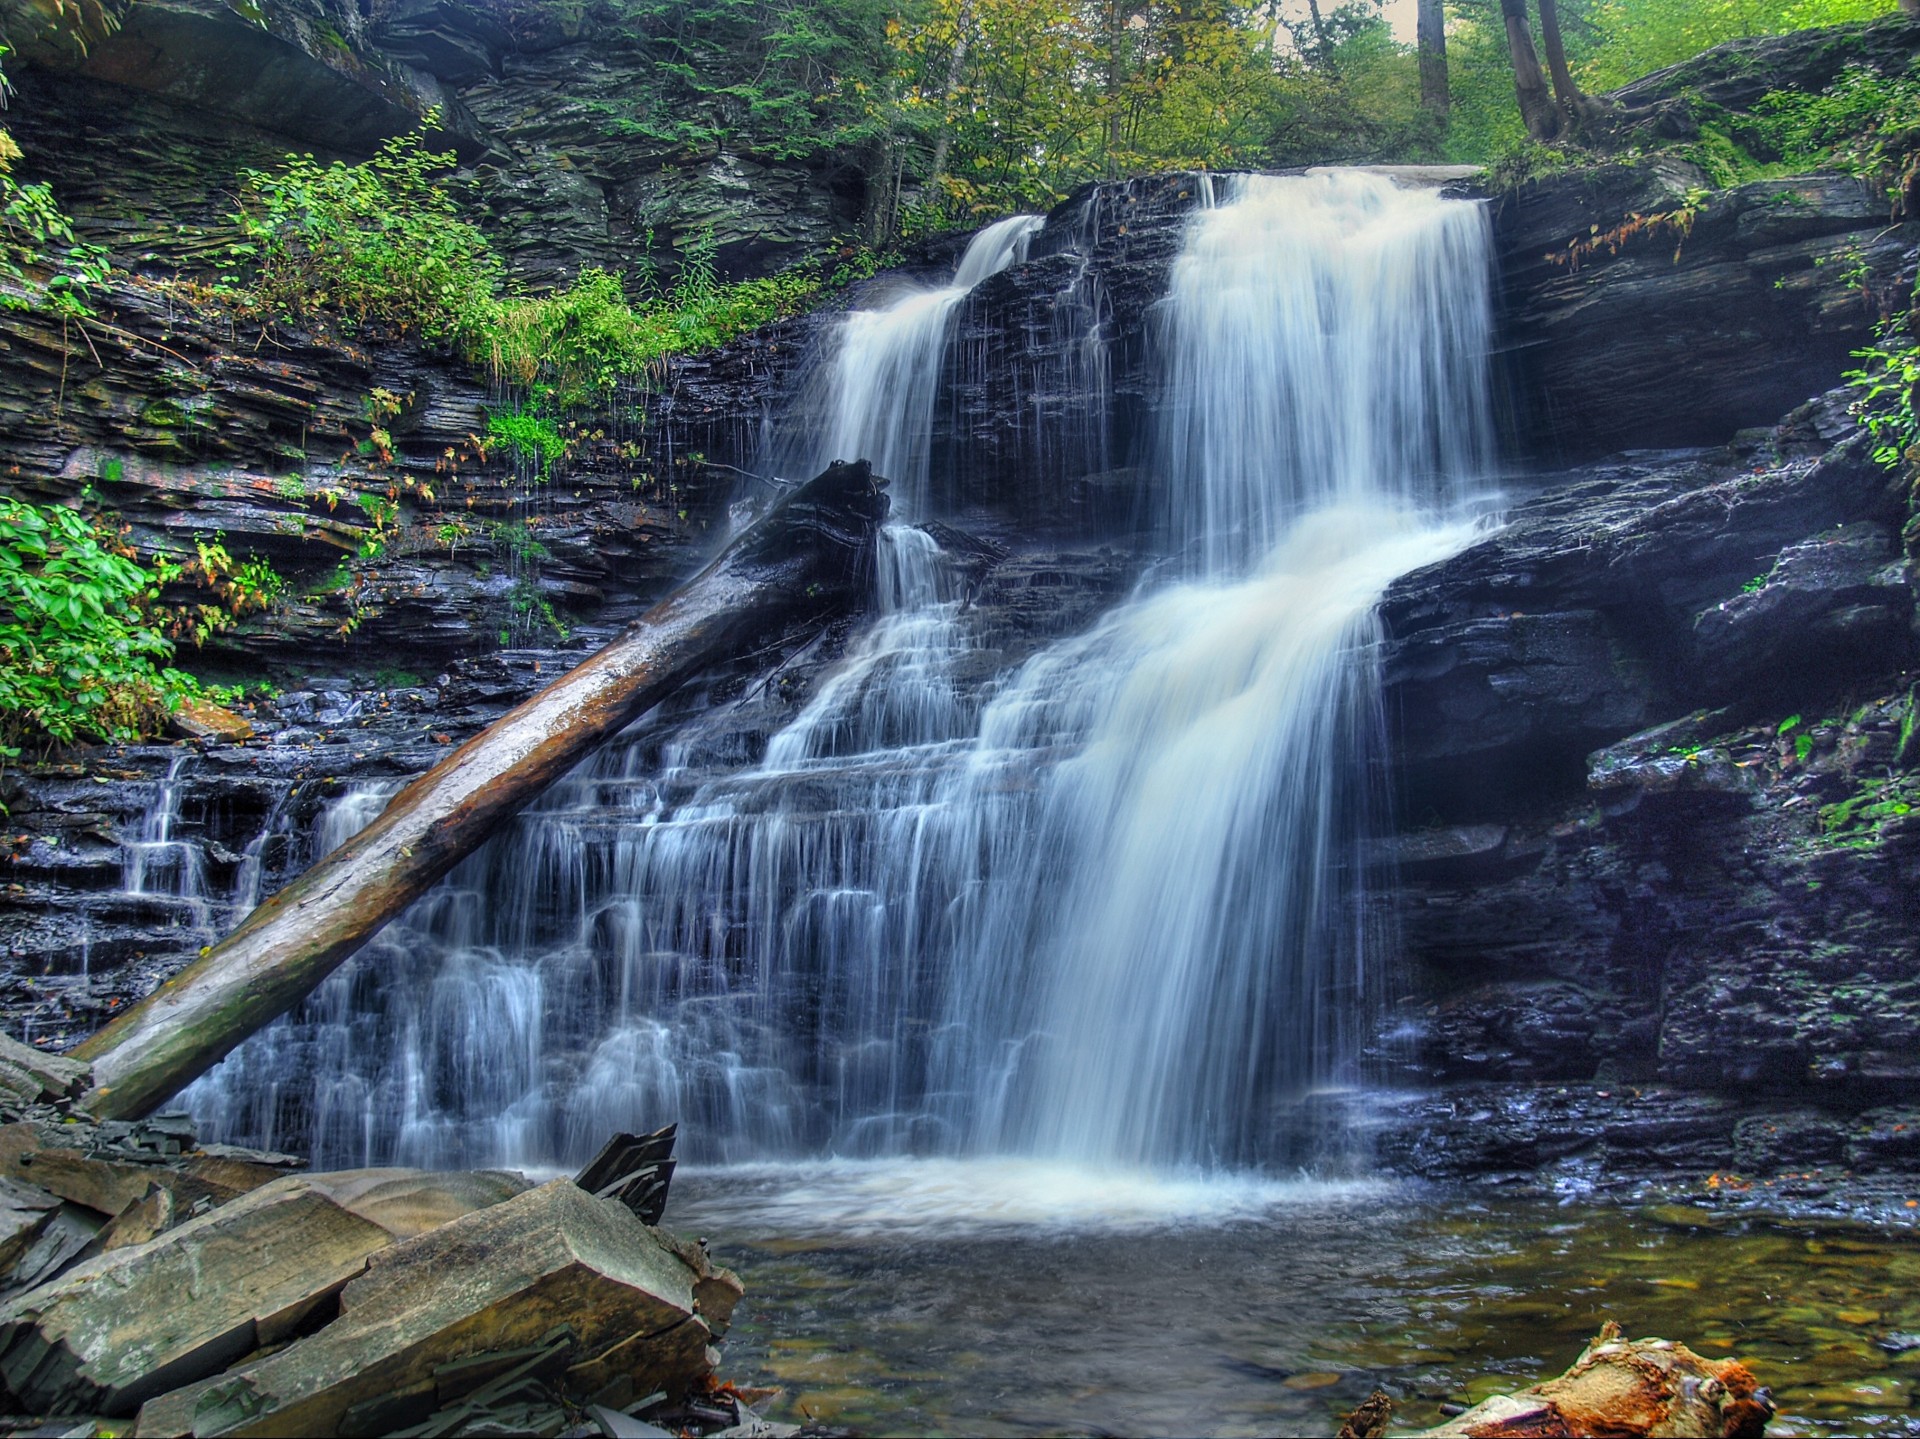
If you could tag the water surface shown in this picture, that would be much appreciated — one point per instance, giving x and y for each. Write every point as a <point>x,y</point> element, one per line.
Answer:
<point>1004,1298</point>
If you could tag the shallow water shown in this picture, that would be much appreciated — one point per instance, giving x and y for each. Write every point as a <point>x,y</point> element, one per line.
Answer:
<point>918,1297</point>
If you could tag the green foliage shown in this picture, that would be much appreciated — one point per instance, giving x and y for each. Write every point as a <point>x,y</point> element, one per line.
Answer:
<point>82,651</point>
<point>383,241</point>
<point>1887,384</point>
<point>1861,123</point>
<point>1621,40</point>
<point>41,260</point>
<point>787,79</point>
<point>533,440</point>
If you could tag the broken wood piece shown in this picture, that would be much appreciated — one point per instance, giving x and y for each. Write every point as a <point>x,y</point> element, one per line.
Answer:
<point>125,1326</point>
<point>805,558</point>
<point>497,1279</point>
<point>1624,1389</point>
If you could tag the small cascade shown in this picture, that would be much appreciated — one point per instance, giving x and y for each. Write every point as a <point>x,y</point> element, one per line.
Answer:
<point>158,864</point>
<point>1102,910</point>
<point>874,396</point>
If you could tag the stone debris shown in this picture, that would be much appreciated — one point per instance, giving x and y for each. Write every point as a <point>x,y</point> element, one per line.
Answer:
<point>214,1290</point>
<point>113,1331</point>
<point>27,1076</point>
<point>497,1282</point>
<point>634,1169</point>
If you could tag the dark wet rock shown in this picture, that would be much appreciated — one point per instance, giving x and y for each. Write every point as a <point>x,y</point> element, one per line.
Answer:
<point>1832,606</point>
<point>1526,1131</point>
<point>1718,319</point>
<point>1575,623</point>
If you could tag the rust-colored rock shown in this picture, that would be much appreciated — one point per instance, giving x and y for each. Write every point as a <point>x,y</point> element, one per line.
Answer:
<point>1626,1389</point>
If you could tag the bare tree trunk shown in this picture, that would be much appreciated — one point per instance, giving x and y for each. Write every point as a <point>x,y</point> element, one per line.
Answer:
<point>1321,45</point>
<point>1564,90</point>
<point>1435,97</point>
<point>803,560</point>
<point>1529,83</point>
<point>956,66</point>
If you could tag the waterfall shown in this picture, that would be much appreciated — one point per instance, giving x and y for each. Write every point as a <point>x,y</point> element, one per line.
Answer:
<point>1102,909</point>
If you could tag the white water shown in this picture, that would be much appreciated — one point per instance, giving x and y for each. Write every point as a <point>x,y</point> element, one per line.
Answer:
<point>1102,916</point>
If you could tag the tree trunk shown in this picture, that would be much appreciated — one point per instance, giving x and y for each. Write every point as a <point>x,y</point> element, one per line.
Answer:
<point>804,559</point>
<point>956,65</point>
<point>1564,90</point>
<point>1435,97</point>
<point>1529,83</point>
<point>1322,47</point>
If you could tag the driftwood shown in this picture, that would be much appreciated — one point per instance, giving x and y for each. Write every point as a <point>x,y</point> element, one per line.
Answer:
<point>803,559</point>
<point>1620,1387</point>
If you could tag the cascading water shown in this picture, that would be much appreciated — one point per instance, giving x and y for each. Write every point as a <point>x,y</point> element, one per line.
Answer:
<point>1104,912</point>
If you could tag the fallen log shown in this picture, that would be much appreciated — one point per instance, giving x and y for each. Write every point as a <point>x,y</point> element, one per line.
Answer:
<point>1619,1387</point>
<point>804,558</point>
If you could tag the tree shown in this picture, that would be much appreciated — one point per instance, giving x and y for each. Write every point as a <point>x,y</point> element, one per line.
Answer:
<point>1573,104</point>
<point>1537,108</point>
<point>1431,34</point>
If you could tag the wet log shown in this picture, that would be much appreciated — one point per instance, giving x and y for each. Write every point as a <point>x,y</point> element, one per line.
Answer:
<point>1619,1387</point>
<point>807,557</point>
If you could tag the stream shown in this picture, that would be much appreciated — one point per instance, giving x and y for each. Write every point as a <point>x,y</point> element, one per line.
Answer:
<point>934,1297</point>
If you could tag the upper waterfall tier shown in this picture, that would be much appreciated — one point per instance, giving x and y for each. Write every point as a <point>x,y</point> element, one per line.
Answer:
<point>1326,342</point>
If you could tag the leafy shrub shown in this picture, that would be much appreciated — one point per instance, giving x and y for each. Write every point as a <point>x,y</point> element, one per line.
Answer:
<point>383,241</point>
<point>82,652</point>
<point>1888,386</point>
<point>1861,122</point>
<point>534,441</point>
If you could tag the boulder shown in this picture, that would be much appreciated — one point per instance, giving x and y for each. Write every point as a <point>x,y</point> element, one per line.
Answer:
<point>135,1322</point>
<point>1836,604</point>
<point>409,1202</point>
<point>24,1212</point>
<point>493,1282</point>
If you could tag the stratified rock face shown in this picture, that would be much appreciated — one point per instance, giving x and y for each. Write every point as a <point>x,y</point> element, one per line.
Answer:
<point>563,178</point>
<point>1678,844</point>
<point>1702,312</point>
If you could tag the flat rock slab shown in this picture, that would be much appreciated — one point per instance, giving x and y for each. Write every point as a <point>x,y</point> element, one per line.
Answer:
<point>106,1186</point>
<point>410,1202</point>
<point>34,1077</point>
<point>500,1279</point>
<point>24,1212</point>
<point>124,1326</point>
